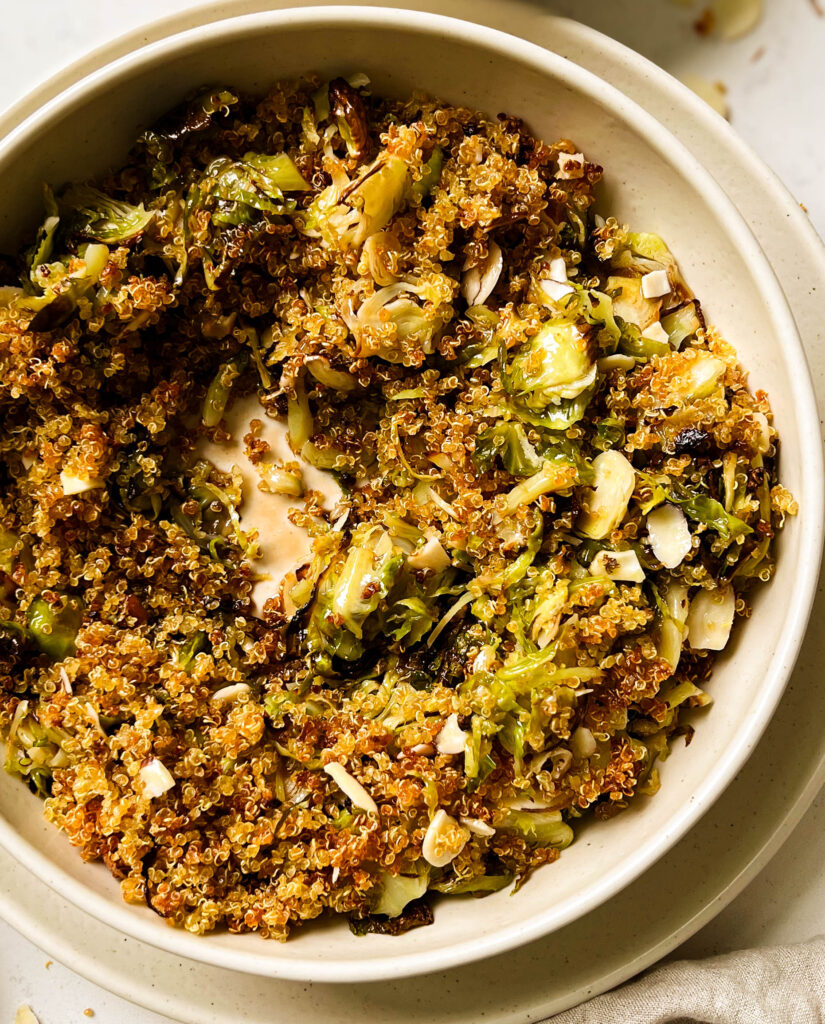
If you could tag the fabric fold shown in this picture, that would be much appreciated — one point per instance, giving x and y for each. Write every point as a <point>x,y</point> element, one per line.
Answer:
<point>774,985</point>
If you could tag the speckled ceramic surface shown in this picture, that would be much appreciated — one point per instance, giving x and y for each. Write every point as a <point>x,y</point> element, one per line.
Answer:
<point>657,911</point>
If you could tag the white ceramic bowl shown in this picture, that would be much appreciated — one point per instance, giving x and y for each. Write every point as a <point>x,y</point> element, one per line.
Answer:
<point>651,182</point>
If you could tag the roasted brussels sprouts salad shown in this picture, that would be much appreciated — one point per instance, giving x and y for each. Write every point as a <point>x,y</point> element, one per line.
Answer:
<point>372,509</point>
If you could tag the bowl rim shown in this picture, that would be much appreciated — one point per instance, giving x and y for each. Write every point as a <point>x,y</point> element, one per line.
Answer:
<point>352,969</point>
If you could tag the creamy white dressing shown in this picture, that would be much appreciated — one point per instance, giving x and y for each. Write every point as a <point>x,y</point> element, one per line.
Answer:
<point>284,547</point>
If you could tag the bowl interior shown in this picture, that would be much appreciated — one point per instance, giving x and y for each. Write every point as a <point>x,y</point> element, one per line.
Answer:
<point>651,184</point>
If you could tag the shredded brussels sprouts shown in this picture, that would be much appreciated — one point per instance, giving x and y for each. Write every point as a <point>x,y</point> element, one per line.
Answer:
<point>531,490</point>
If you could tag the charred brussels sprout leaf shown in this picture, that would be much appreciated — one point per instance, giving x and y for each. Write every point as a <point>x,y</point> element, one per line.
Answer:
<point>347,107</point>
<point>704,509</point>
<point>217,394</point>
<point>509,442</point>
<point>410,620</point>
<point>683,323</point>
<point>52,289</point>
<point>415,915</point>
<point>610,433</point>
<point>431,176</point>
<point>554,365</point>
<point>187,652</point>
<point>240,198</point>
<point>92,214</point>
<point>41,251</point>
<point>481,885</point>
<point>53,627</point>
<point>557,473</point>
<point>274,175</point>
<point>238,193</point>
<point>189,118</point>
<point>542,828</point>
<point>346,218</point>
<point>342,618</point>
<point>634,344</point>
<point>398,891</point>
<point>366,577</point>
<point>9,548</point>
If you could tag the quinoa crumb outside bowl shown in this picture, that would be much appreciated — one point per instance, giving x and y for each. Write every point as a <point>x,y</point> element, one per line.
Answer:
<point>650,182</point>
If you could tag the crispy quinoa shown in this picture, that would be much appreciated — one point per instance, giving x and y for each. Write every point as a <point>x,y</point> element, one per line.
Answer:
<point>556,492</point>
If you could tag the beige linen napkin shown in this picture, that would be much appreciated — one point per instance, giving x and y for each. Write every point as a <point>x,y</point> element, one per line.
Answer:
<point>776,985</point>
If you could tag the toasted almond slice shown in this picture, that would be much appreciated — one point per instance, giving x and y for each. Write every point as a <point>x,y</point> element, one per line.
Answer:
<point>617,361</point>
<point>618,565</point>
<point>25,1014</point>
<point>351,787</point>
<point>155,778</point>
<point>558,270</point>
<point>425,749</point>
<point>669,534</point>
<point>431,555</point>
<point>765,437</point>
<point>478,827</point>
<point>677,602</point>
<point>656,284</point>
<point>485,659</point>
<point>582,743</point>
<point>479,281</point>
<point>556,290</point>
<point>228,693</point>
<point>444,839</point>
<point>571,165</point>
<point>452,739</point>
<point>77,484</point>
<point>655,332</point>
<point>710,619</point>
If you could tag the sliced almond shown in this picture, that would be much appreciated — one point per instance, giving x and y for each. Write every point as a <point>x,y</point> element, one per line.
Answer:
<point>485,659</point>
<point>452,739</point>
<point>556,290</point>
<point>479,281</point>
<point>583,743</point>
<point>669,534</point>
<point>677,601</point>
<point>655,332</point>
<point>77,484</point>
<point>656,284</point>
<point>229,693</point>
<point>571,165</point>
<point>558,270</point>
<point>25,1015</point>
<point>478,827</point>
<point>155,778</point>
<point>431,555</point>
<point>444,839</point>
<point>710,619</point>
<point>765,434</point>
<point>351,787</point>
<point>618,565</point>
<point>617,361</point>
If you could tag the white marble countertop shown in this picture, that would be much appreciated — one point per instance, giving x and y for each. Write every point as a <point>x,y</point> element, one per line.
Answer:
<point>774,78</point>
